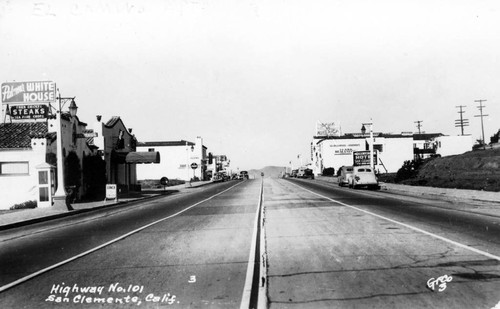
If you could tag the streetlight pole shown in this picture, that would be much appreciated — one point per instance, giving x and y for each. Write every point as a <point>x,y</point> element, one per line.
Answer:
<point>372,142</point>
<point>60,195</point>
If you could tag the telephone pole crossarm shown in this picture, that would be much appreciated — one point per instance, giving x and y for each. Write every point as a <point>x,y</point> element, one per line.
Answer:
<point>480,107</point>
<point>461,122</point>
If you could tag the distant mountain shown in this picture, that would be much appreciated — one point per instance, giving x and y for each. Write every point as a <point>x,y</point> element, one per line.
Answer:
<point>269,171</point>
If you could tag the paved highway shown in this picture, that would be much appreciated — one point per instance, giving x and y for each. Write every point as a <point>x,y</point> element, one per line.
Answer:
<point>331,247</point>
<point>197,258</point>
<point>321,247</point>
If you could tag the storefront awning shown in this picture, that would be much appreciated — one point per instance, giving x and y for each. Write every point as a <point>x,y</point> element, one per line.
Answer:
<point>142,157</point>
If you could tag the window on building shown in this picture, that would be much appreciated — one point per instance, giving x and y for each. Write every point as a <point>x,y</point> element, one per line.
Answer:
<point>14,168</point>
<point>44,194</point>
<point>151,150</point>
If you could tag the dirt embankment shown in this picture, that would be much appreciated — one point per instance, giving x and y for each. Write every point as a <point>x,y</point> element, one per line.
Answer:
<point>477,170</point>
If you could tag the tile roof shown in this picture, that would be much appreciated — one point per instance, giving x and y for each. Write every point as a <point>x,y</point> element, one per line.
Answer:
<point>18,135</point>
<point>111,122</point>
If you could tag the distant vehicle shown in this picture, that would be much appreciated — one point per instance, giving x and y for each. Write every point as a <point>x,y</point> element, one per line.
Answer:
<point>345,175</point>
<point>363,176</point>
<point>301,171</point>
<point>294,173</point>
<point>218,177</point>
<point>305,173</point>
<point>243,175</point>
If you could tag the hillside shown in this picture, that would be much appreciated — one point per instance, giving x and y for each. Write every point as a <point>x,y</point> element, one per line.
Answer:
<point>478,170</point>
<point>269,171</point>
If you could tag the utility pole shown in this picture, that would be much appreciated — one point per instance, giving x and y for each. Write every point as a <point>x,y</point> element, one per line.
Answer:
<point>461,122</point>
<point>480,107</point>
<point>419,125</point>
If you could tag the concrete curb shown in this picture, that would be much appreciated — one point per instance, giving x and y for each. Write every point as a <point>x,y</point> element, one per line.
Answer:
<point>70,213</point>
<point>86,210</point>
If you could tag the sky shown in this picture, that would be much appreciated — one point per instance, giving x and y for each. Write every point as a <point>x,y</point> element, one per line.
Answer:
<point>253,77</point>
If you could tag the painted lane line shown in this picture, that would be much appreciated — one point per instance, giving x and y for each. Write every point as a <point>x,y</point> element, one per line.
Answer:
<point>492,256</point>
<point>263,298</point>
<point>247,289</point>
<point>26,278</point>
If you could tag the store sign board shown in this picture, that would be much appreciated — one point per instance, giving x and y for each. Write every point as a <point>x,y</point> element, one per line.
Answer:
<point>111,192</point>
<point>363,158</point>
<point>37,111</point>
<point>28,92</point>
<point>343,151</point>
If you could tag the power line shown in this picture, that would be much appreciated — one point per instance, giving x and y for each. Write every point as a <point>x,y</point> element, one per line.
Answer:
<point>461,122</point>
<point>480,107</point>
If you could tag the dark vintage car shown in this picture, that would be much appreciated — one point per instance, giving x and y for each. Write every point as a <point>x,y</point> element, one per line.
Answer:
<point>243,175</point>
<point>307,173</point>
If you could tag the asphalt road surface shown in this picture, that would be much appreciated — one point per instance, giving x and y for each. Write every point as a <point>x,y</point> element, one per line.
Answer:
<point>322,247</point>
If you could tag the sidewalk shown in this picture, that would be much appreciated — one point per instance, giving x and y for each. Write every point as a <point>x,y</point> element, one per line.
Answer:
<point>485,202</point>
<point>21,217</point>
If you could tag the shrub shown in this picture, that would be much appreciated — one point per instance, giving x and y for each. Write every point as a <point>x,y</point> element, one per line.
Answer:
<point>25,205</point>
<point>72,170</point>
<point>408,170</point>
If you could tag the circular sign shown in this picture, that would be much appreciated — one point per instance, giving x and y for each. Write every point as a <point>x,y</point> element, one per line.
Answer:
<point>194,166</point>
<point>164,181</point>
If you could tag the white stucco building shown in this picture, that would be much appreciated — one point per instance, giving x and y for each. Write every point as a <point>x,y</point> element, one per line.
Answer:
<point>25,144</point>
<point>177,160</point>
<point>453,145</point>
<point>92,157</point>
<point>391,150</point>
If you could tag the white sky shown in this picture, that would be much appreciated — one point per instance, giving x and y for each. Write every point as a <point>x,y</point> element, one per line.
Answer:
<point>253,77</point>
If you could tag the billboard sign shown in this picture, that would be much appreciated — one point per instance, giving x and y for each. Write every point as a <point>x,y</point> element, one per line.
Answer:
<point>327,129</point>
<point>37,111</point>
<point>363,158</point>
<point>28,92</point>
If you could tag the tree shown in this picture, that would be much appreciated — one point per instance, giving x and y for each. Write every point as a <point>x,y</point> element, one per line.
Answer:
<point>72,171</point>
<point>329,171</point>
<point>94,177</point>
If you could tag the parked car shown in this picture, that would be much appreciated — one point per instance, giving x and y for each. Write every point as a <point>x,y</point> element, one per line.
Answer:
<point>363,176</point>
<point>344,175</point>
<point>294,173</point>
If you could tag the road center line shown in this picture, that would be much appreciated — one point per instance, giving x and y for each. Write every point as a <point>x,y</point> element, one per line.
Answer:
<point>492,256</point>
<point>26,278</point>
<point>252,258</point>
